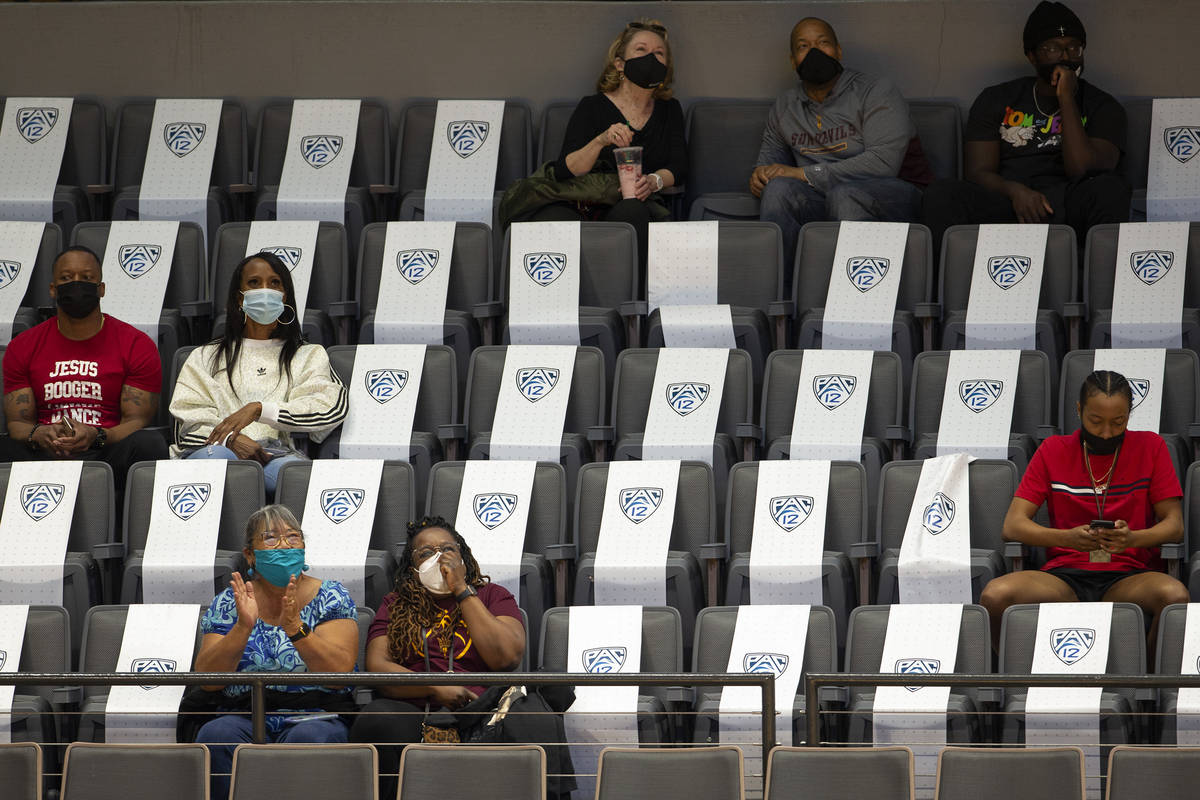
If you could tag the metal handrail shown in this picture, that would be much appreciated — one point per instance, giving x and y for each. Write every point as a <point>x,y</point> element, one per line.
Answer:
<point>258,682</point>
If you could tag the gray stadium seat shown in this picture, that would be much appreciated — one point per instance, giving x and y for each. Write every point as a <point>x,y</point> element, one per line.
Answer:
<point>700,773</point>
<point>986,773</point>
<point>992,484</point>
<point>46,648</point>
<point>135,772</point>
<point>82,176</point>
<point>553,130</point>
<point>517,771</point>
<point>939,127</point>
<point>37,294</point>
<point>132,137</point>
<point>21,770</point>
<point>834,773</point>
<point>1168,660</point>
<point>845,526</point>
<point>724,137</point>
<point>1191,533</point>
<point>317,770</point>
<point>1032,408</point>
<point>330,281</point>
<point>714,639</point>
<point>1136,772</point>
<point>244,494</point>
<point>1135,158</point>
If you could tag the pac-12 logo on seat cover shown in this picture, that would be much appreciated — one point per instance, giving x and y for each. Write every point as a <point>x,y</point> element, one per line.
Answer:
<point>1140,387</point>
<point>290,256</point>
<point>319,151</point>
<point>385,384</point>
<point>639,502</point>
<point>34,123</point>
<point>3,658</point>
<point>545,268</point>
<point>604,660</point>
<point>790,511</point>
<point>340,504</point>
<point>980,394</point>
<point>866,272</point>
<point>1072,644</point>
<point>152,665</point>
<point>774,663</point>
<point>534,383</point>
<point>183,137</point>
<point>833,390</point>
<point>918,666</point>
<point>1182,142</point>
<point>1151,266</point>
<point>416,265</point>
<point>9,270</point>
<point>185,499</point>
<point>938,515</point>
<point>40,499</point>
<point>493,510</point>
<point>138,259</point>
<point>1007,271</point>
<point>684,398</point>
<point>466,136</point>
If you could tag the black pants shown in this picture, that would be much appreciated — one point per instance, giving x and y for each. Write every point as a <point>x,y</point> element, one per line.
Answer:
<point>1080,204</point>
<point>635,212</point>
<point>389,725</point>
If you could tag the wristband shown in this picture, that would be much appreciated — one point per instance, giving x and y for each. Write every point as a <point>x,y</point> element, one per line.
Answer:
<point>465,593</point>
<point>300,634</point>
<point>29,439</point>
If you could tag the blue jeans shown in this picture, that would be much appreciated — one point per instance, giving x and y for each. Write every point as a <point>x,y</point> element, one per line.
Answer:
<point>790,202</point>
<point>270,471</point>
<point>225,733</point>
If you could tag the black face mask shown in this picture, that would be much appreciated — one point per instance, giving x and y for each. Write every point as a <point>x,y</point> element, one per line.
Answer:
<point>1100,446</point>
<point>1046,71</point>
<point>77,299</point>
<point>646,71</point>
<point>818,67</point>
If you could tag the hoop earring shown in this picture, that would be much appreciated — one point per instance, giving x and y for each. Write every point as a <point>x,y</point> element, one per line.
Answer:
<point>290,321</point>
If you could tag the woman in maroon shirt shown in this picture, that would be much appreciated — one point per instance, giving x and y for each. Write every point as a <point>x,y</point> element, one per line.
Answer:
<point>1103,472</point>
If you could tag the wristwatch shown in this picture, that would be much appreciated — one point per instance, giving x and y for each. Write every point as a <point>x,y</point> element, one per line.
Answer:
<point>101,439</point>
<point>659,180</point>
<point>300,634</point>
<point>465,593</point>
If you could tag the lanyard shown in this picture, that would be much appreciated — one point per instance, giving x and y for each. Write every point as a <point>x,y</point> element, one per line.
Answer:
<point>1101,499</point>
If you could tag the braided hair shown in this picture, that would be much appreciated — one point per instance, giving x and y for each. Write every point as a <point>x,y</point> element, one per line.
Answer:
<point>1107,382</point>
<point>414,611</point>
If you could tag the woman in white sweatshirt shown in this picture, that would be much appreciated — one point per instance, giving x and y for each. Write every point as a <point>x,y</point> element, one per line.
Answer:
<point>241,396</point>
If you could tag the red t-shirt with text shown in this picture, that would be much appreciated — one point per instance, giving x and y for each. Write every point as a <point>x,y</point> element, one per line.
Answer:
<point>1143,476</point>
<point>82,378</point>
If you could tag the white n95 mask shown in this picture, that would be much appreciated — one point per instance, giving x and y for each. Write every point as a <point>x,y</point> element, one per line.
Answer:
<point>430,574</point>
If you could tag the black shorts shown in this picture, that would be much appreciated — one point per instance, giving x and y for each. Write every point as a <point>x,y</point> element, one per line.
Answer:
<point>1090,585</point>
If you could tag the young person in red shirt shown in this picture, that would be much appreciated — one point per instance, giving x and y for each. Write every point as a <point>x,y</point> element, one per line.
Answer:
<point>83,384</point>
<point>1103,472</point>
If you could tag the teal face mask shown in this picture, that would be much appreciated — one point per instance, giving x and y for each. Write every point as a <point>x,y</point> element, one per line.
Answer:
<point>264,306</point>
<point>279,566</point>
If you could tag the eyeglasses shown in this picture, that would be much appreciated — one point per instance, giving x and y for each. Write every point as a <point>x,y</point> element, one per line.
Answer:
<point>426,553</point>
<point>1052,50</point>
<point>643,26</point>
<point>290,537</point>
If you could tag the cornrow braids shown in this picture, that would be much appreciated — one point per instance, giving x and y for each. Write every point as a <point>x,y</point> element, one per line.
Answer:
<point>414,610</point>
<point>1106,382</point>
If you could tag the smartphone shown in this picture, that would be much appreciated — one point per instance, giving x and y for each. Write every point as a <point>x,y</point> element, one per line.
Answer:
<point>1103,523</point>
<point>67,421</point>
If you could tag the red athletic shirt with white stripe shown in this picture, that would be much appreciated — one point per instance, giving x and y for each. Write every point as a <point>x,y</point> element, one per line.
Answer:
<point>1143,476</point>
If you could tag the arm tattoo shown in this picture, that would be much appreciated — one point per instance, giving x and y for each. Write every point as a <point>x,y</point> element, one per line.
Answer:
<point>132,395</point>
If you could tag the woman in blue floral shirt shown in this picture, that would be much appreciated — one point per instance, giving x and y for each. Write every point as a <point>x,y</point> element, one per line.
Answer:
<point>278,620</point>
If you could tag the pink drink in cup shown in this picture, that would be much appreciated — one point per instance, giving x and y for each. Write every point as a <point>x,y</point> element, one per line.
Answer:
<point>629,169</point>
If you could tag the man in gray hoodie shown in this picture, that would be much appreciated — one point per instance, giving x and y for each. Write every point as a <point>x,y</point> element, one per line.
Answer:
<point>840,146</point>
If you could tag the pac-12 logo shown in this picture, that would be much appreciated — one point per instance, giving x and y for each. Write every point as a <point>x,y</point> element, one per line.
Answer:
<point>866,272</point>
<point>1140,387</point>
<point>918,666</point>
<point>1151,266</point>
<point>604,660</point>
<point>534,383</point>
<point>1072,644</point>
<point>493,510</point>
<point>138,259</point>
<point>938,515</point>
<point>774,663</point>
<point>183,137</point>
<point>186,499</point>
<point>40,499</point>
<point>9,270</point>
<point>159,665</point>
<point>339,505</point>
<point>544,268</point>
<point>290,256</point>
<point>684,398</point>
<point>320,151</point>
<point>833,390</point>
<point>639,502</point>
<point>1182,142</point>
<point>980,394</point>
<point>35,123</point>
<point>385,384</point>
<point>467,136</point>
<point>1007,271</point>
<point>790,511</point>
<point>415,265</point>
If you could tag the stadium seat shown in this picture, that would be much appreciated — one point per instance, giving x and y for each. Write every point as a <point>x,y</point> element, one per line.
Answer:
<point>243,495</point>
<point>992,484</point>
<point>724,137</point>
<point>135,772</point>
<point>939,128</point>
<point>132,136</point>
<point>37,300</point>
<point>700,773</point>
<point>1168,660</point>
<point>1135,772</point>
<point>329,284</point>
<point>1135,156</point>
<point>714,639</point>
<point>319,770</point>
<point>45,648</point>
<point>1191,530</point>
<point>986,773</point>
<point>21,770</point>
<point>835,773</point>
<point>82,179</point>
<point>845,526</point>
<point>517,771</point>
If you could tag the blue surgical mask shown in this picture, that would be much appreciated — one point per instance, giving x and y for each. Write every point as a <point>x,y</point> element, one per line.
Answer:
<point>264,306</point>
<point>278,566</point>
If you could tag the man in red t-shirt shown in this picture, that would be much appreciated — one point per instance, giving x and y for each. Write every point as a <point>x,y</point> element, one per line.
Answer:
<point>1102,474</point>
<point>83,384</point>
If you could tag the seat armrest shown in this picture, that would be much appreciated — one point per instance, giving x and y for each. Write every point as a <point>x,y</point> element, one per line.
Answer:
<point>685,695</point>
<point>864,549</point>
<point>633,308</point>
<point>781,308</point>
<point>991,695</point>
<point>452,431</point>
<point>382,189</point>
<point>560,552</point>
<point>670,191</point>
<point>833,695</point>
<point>489,310</point>
<point>241,188</point>
<point>1074,310</point>
<point>716,551</point>
<point>96,189</point>
<point>196,309</point>
<point>601,433</point>
<point>1172,550</point>
<point>343,309</point>
<point>1044,432</point>
<point>927,310</point>
<point>46,312</point>
<point>66,695</point>
<point>1145,694</point>
<point>1014,550</point>
<point>748,430</point>
<point>108,550</point>
<point>898,433</point>
<point>1194,430</point>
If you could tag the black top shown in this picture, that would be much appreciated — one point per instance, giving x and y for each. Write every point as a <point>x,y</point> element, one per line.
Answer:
<point>661,137</point>
<point>1031,141</point>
